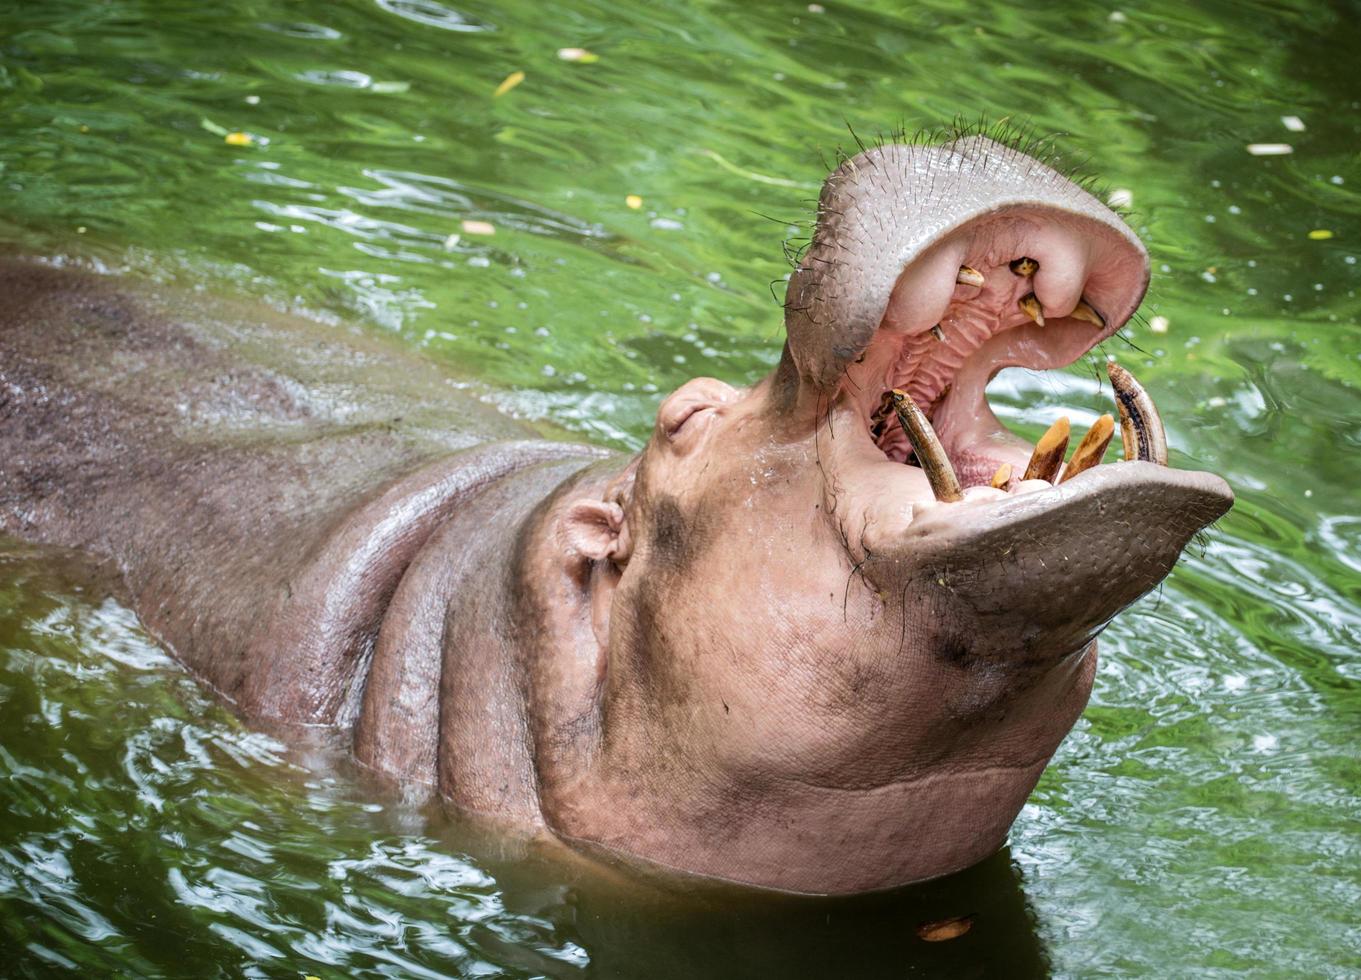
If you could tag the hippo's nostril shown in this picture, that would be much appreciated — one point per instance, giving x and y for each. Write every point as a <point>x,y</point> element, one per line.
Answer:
<point>1025,266</point>
<point>969,276</point>
<point>1030,305</point>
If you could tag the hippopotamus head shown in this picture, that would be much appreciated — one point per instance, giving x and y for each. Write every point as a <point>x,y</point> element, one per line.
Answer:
<point>812,668</point>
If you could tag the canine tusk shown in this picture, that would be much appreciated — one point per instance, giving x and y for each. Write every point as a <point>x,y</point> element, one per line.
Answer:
<point>1086,311</point>
<point>969,276</point>
<point>1141,428</point>
<point>934,463</point>
<point>1031,307</point>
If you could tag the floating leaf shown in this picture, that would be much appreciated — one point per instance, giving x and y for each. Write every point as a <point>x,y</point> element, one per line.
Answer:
<point>390,88</point>
<point>580,55</point>
<point>213,127</point>
<point>511,80</point>
<point>1320,234</point>
<point>634,201</point>
<point>472,227</point>
<point>238,139</point>
<point>1270,149</point>
<point>943,929</point>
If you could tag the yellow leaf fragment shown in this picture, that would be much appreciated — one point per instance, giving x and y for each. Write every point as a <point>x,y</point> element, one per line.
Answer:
<point>634,201</point>
<point>1320,234</point>
<point>511,80</point>
<point>473,227</point>
<point>580,55</point>
<point>238,139</point>
<point>938,932</point>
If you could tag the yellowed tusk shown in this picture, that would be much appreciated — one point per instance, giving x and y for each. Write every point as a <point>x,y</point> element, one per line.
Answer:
<point>1025,266</point>
<point>1141,428</point>
<point>1030,305</point>
<point>1001,478</point>
<point>1092,449</point>
<point>1087,312</point>
<point>934,463</point>
<point>1048,455</point>
<point>969,276</point>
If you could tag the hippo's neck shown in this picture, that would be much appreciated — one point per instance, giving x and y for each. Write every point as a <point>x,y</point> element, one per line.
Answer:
<point>485,650</point>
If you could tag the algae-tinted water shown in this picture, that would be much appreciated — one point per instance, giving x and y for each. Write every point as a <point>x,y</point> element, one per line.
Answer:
<point>1205,815</point>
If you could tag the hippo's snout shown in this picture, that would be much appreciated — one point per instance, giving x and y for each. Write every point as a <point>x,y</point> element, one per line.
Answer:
<point>932,269</point>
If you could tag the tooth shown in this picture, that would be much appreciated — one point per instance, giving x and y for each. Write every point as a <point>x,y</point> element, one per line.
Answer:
<point>1031,306</point>
<point>937,332</point>
<point>1025,266</point>
<point>1141,428</point>
<point>1048,455</point>
<point>969,276</point>
<point>1086,311</point>
<point>1002,477</point>
<point>1092,449</point>
<point>934,463</point>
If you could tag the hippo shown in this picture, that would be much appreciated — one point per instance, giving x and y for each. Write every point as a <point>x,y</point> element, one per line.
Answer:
<point>821,635</point>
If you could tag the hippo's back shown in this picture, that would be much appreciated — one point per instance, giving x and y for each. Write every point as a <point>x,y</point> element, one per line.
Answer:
<point>260,480</point>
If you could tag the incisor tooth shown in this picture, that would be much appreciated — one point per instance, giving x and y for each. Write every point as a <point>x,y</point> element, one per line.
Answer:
<point>1048,455</point>
<point>934,463</point>
<point>1030,305</point>
<point>1087,312</point>
<point>1002,477</point>
<point>1025,266</point>
<point>1092,449</point>
<point>969,276</point>
<point>1141,428</point>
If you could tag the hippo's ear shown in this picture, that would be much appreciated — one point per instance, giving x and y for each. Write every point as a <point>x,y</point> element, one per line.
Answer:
<point>595,529</point>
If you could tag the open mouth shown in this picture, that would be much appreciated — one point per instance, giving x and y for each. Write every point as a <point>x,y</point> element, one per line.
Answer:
<point>926,406</point>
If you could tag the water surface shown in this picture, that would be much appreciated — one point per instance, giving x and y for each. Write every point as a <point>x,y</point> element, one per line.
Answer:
<point>1205,815</point>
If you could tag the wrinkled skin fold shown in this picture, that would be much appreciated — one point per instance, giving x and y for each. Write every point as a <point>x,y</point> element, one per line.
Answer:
<point>761,650</point>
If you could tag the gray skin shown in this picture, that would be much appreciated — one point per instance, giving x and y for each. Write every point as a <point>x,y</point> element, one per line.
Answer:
<point>757,651</point>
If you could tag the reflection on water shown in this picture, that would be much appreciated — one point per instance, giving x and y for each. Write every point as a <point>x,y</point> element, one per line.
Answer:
<point>1204,816</point>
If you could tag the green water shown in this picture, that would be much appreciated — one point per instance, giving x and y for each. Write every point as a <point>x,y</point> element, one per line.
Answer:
<point>1205,815</point>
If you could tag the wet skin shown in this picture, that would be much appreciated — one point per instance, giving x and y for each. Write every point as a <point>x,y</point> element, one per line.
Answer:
<point>767,649</point>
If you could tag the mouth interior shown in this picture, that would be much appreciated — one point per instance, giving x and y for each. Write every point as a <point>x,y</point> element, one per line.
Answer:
<point>943,351</point>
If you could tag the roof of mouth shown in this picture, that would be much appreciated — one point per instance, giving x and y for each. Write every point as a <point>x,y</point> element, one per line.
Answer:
<point>883,210</point>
